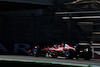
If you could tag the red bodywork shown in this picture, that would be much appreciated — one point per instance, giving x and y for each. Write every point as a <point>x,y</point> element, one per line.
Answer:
<point>53,49</point>
<point>59,49</point>
<point>64,50</point>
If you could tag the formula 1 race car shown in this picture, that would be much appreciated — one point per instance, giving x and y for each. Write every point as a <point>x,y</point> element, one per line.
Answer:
<point>63,50</point>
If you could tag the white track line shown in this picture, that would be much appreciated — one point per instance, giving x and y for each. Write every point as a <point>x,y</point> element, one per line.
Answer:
<point>73,64</point>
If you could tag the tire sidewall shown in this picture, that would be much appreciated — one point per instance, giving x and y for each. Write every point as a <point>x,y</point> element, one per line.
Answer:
<point>67,53</point>
<point>35,51</point>
<point>87,55</point>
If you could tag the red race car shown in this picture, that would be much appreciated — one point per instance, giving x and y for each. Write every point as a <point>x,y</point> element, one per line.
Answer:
<point>63,50</point>
<point>60,50</point>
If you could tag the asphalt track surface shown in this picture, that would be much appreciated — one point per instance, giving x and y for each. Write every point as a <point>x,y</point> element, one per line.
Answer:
<point>59,59</point>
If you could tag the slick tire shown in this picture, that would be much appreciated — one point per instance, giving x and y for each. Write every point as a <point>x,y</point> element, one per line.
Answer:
<point>36,52</point>
<point>87,55</point>
<point>69,54</point>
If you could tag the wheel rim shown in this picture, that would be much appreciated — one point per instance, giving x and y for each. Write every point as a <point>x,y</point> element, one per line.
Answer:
<point>35,51</point>
<point>67,53</point>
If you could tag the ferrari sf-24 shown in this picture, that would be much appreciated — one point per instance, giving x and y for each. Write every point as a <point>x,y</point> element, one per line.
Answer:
<point>64,50</point>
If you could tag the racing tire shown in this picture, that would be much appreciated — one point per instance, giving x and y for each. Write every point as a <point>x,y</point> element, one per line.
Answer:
<point>69,54</point>
<point>36,52</point>
<point>87,55</point>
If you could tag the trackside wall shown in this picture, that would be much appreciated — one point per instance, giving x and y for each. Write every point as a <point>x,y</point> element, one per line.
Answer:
<point>96,51</point>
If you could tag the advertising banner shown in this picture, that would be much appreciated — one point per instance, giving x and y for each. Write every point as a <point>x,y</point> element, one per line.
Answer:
<point>14,48</point>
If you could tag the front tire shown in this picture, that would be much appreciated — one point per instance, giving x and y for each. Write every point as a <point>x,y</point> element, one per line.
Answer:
<point>69,54</point>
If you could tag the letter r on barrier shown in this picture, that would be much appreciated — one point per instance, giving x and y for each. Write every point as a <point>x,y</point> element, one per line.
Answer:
<point>17,47</point>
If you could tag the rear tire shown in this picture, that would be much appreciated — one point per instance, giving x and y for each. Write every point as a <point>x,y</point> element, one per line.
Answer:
<point>69,54</point>
<point>87,55</point>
